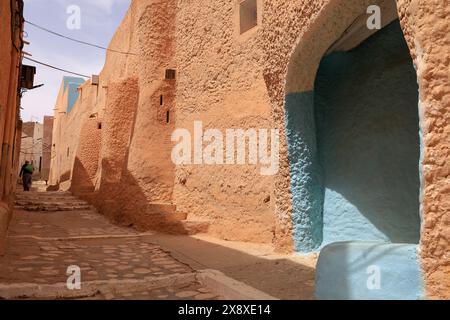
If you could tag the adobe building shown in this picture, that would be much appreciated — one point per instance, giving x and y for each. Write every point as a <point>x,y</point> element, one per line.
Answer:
<point>31,146</point>
<point>11,44</point>
<point>362,115</point>
<point>47,147</point>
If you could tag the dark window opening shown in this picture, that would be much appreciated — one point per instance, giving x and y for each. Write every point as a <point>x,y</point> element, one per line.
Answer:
<point>168,117</point>
<point>68,152</point>
<point>248,15</point>
<point>170,74</point>
<point>161,100</point>
<point>99,125</point>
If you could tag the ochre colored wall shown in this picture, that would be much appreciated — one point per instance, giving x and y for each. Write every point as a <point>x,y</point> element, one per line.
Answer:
<point>10,56</point>
<point>221,84</point>
<point>426,29</point>
<point>85,165</point>
<point>47,147</point>
<point>115,192</point>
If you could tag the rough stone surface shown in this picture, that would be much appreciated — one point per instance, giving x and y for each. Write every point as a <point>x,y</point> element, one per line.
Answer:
<point>10,124</point>
<point>116,263</point>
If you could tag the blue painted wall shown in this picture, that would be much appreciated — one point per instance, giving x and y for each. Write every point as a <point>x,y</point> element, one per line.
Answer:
<point>366,106</point>
<point>72,84</point>
<point>347,271</point>
<point>306,173</point>
<point>354,147</point>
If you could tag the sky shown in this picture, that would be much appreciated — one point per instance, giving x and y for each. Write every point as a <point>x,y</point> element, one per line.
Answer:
<point>98,21</point>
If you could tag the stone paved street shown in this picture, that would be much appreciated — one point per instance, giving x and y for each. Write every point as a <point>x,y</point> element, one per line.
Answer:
<point>44,241</point>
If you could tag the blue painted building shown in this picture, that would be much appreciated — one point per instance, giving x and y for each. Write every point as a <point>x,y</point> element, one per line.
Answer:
<point>71,85</point>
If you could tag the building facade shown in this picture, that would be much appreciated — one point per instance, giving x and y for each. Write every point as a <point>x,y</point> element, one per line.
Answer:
<point>47,143</point>
<point>11,13</point>
<point>31,148</point>
<point>357,91</point>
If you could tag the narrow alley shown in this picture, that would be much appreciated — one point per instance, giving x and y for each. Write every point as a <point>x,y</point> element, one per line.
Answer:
<point>224,150</point>
<point>52,231</point>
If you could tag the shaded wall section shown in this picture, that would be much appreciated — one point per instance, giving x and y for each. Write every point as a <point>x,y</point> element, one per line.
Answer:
<point>354,147</point>
<point>86,160</point>
<point>366,105</point>
<point>113,191</point>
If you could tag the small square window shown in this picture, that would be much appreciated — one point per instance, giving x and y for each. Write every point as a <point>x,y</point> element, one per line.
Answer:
<point>170,74</point>
<point>248,15</point>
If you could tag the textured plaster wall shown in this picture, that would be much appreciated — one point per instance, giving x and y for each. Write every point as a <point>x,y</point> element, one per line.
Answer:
<point>10,53</point>
<point>6,60</point>
<point>113,190</point>
<point>47,147</point>
<point>133,155</point>
<point>67,130</point>
<point>304,32</point>
<point>85,164</point>
<point>306,174</point>
<point>219,80</point>
<point>149,162</point>
<point>426,27</point>
<point>220,83</point>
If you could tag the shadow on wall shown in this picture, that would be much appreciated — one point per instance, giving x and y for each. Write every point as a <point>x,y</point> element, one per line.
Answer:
<point>81,179</point>
<point>125,203</point>
<point>366,107</point>
<point>64,177</point>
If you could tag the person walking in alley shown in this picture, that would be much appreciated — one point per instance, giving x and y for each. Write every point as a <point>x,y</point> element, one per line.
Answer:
<point>26,173</point>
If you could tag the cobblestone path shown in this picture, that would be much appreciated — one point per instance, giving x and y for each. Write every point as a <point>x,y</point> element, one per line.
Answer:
<point>52,231</point>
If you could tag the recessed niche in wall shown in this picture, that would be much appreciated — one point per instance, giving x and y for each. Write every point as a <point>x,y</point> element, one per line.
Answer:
<point>99,125</point>
<point>171,74</point>
<point>168,116</point>
<point>248,15</point>
<point>161,100</point>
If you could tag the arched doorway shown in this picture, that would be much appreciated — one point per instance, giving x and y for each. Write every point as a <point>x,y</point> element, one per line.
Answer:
<point>352,131</point>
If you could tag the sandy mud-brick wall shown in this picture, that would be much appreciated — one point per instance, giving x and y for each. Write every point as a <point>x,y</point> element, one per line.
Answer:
<point>149,170</point>
<point>47,147</point>
<point>426,27</point>
<point>220,83</point>
<point>5,62</point>
<point>85,165</point>
<point>117,127</point>
<point>10,55</point>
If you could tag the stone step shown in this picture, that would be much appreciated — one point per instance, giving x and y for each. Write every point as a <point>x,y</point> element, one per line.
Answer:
<point>44,194</point>
<point>53,208</point>
<point>49,201</point>
<point>53,205</point>
<point>48,198</point>
<point>187,227</point>
<point>166,211</point>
